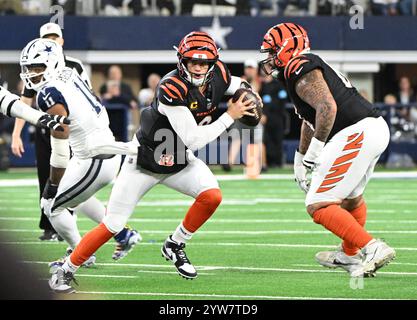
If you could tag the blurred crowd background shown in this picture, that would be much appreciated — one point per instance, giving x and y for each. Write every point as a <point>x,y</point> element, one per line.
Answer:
<point>205,8</point>
<point>126,88</point>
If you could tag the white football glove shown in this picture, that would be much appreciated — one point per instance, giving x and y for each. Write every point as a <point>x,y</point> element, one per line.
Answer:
<point>300,172</point>
<point>313,152</point>
<point>46,206</point>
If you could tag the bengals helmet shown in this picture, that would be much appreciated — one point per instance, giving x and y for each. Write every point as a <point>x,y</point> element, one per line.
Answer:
<point>282,43</point>
<point>197,46</point>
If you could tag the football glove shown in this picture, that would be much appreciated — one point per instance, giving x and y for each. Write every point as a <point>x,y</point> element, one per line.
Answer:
<point>313,152</point>
<point>48,195</point>
<point>53,122</point>
<point>300,172</point>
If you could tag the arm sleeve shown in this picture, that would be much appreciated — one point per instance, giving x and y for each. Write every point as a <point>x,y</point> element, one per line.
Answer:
<point>11,106</point>
<point>235,84</point>
<point>194,136</point>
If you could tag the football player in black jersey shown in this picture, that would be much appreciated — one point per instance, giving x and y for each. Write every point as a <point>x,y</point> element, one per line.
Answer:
<point>183,118</point>
<point>342,137</point>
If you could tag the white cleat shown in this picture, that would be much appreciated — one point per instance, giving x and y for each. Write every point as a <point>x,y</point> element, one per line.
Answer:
<point>338,259</point>
<point>60,281</point>
<point>376,255</point>
<point>90,262</point>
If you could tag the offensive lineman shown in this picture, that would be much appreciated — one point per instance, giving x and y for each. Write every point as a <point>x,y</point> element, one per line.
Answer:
<point>185,107</point>
<point>96,155</point>
<point>342,138</point>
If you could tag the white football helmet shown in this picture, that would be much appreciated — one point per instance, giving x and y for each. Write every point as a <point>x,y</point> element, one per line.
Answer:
<point>47,56</point>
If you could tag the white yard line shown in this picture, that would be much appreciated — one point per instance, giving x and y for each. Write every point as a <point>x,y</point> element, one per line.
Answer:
<point>237,232</point>
<point>376,175</point>
<point>214,268</point>
<point>207,244</point>
<point>218,296</point>
<point>220,221</point>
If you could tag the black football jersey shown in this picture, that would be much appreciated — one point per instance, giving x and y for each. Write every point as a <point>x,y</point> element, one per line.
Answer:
<point>173,91</point>
<point>351,106</point>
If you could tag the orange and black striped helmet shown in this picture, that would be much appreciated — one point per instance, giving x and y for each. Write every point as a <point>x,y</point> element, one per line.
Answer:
<point>197,46</point>
<point>283,42</point>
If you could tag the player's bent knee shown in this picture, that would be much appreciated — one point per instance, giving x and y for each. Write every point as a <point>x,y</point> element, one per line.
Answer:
<point>312,208</point>
<point>352,204</point>
<point>114,223</point>
<point>211,197</point>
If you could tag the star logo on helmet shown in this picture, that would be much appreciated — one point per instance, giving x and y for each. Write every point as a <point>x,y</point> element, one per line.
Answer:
<point>48,49</point>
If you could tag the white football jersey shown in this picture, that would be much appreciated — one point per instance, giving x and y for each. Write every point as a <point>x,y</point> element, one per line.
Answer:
<point>89,119</point>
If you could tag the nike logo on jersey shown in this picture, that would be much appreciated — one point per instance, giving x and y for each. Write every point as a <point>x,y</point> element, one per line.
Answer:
<point>299,70</point>
<point>169,99</point>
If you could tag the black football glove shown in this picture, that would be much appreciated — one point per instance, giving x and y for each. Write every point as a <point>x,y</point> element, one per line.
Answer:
<point>53,122</point>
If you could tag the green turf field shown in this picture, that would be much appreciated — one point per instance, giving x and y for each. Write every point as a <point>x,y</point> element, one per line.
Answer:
<point>260,244</point>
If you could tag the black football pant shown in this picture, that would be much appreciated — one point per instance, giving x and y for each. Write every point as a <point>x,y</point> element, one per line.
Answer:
<point>43,155</point>
<point>273,138</point>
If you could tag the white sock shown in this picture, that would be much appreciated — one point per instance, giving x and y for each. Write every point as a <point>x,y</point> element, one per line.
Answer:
<point>181,235</point>
<point>64,223</point>
<point>93,209</point>
<point>69,267</point>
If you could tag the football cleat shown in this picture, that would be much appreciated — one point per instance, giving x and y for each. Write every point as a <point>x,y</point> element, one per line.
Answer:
<point>58,263</point>
<point>174,251</point>
<point>376,255</point>
<point>50,235</point>
<point>60,281</point>
<point>338,259</point>
<point>129,239</point>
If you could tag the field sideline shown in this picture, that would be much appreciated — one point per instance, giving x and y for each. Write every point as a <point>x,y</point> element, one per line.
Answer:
<point>260,244</point>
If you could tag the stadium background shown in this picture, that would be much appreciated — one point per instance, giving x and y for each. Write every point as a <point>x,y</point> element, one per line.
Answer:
<point>139,38</point>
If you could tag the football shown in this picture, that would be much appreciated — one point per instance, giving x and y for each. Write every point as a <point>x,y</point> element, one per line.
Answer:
<point>257,111</point>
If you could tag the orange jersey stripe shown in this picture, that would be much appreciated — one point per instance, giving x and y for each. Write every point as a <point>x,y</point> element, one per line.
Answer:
<point>173,88</point>
<point>345,158</point>
<point>169,92</point>
<point>178,81</point>
<point>223,70</point>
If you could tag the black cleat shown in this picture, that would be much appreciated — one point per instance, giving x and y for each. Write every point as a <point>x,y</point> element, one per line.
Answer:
<point>50,235</point>
<point>174,251</point>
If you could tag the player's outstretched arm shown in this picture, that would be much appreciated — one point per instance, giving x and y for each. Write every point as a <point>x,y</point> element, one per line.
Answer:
<point>313,89</point>
<point>13,107</point>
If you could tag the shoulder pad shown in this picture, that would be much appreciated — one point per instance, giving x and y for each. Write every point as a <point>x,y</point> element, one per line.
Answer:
<point>50,96</point>
<point>224,70</point>
<point>172,91</point>
<point>299,66</point>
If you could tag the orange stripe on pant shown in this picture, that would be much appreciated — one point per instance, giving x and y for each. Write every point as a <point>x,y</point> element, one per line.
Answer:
<point>341,165</point>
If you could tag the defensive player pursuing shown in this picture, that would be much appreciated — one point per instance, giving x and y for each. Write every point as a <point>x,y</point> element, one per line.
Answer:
<point>96,155</point>
<point>182,118</point>
<point>342,137</point>
<point>42,137</point>
<point>11,106</point>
